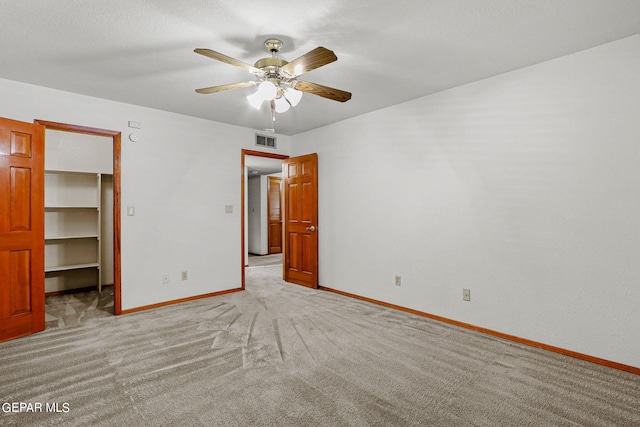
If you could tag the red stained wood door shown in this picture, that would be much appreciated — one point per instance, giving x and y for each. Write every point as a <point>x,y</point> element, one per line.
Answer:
<point>274,202</point>
<point>300,188</point>
<point>21,229</point>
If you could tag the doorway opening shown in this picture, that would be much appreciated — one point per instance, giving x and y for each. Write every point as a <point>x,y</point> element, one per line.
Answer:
<point>261,210</point>
<point>82,221</point>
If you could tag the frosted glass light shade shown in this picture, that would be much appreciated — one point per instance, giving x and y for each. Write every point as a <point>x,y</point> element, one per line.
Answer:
<point>255,100</point>
<point>293,96</point>
<point>267,90</point>
<point>281,105</point>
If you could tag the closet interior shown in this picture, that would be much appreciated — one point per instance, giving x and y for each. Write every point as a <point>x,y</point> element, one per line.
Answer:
<point>78,213</point>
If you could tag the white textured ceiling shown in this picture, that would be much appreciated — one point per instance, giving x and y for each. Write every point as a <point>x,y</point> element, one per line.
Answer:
<point>141,51</point>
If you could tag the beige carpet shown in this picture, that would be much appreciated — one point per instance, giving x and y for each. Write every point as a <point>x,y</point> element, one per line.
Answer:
<point>283,355</point>
<point>81,307</point>
<point>265,260</point>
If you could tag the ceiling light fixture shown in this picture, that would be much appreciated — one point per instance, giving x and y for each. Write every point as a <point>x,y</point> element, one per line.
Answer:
<point>283,96</point>
<point>282,105</point>
<point>255,100</point>
<point>267,90</point>
<point>274,83</point>
<point>293,96</point>
<point>272,90</point>
<point>277,79</point>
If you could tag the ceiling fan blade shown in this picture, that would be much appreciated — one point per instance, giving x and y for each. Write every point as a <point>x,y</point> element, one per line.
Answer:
<point>323,91</point>
<point>214,89</point>
<point>224,58</point>
<point>310,61</point>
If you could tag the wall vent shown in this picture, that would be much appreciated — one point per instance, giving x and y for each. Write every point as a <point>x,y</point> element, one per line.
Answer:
<point>265,141</point>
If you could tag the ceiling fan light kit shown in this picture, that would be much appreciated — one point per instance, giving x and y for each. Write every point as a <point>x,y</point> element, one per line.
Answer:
<point>282,105</point>
<point>277,79</point>
<point>267,90</point>
<point>293,96</point>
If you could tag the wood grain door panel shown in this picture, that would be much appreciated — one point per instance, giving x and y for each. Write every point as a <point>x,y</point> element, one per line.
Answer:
<point>293,261</point>
<point>275,238</point>
<point>292,208</point>
<point>20,194</point>
<point>308,204</point>
<point>21,229</point>
<point>19,281</point>
<point>307,255</point>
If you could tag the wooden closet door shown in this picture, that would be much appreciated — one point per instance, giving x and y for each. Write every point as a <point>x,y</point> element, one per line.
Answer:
<point>21,229</point>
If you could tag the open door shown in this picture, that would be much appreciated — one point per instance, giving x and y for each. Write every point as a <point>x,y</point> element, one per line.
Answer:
<point>300,260</point>
<point>21,229</point>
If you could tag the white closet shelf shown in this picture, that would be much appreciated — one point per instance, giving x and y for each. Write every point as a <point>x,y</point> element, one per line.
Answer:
<point>71,207</point>
<point>68,172</point>
<point>83,236</point>
<point>72,224</point>
<point>70,267</point>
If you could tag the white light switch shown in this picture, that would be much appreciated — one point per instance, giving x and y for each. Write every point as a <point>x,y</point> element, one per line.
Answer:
<point>135,125</point>
<point>228,208</point>
<point>131,210</point>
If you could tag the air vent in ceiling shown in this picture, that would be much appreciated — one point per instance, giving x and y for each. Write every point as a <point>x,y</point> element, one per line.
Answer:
<point>265,141</point>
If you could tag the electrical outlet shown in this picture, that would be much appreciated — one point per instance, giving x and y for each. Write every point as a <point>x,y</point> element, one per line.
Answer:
<point>398,280</point>
<point>466,294</point>
<point>183,275</point>
<point>165,279</point>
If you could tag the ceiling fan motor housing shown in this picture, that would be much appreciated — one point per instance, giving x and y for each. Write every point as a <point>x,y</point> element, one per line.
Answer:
<point>270,63</point>
<point>271,67</point>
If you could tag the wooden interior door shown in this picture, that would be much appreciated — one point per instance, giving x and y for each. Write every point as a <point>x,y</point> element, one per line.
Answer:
<point>300,178</point>
<point>274,200</point>
<point>21,229</point>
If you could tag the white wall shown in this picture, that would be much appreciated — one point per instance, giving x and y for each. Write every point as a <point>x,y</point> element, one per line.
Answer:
<point>524,188</point>
<point>179,177</point>
<point>80,152</point>
<point>256,207</point>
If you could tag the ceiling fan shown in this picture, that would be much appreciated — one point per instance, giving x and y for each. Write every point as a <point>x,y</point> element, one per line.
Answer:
<point>277,79</point>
